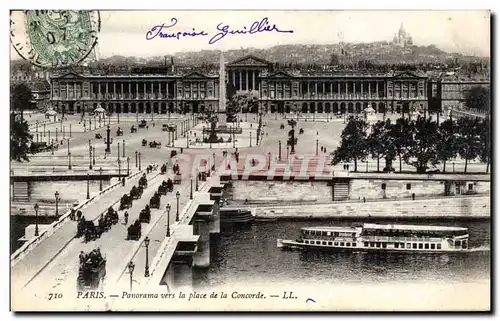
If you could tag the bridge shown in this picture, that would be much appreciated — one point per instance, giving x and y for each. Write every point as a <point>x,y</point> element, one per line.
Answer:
<point>48,263</point>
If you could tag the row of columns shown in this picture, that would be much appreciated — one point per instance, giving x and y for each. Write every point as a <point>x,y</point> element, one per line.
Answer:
<point>244,79</point>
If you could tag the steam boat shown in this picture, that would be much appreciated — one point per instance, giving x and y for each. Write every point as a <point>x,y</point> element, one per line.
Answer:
<point>377,237</point>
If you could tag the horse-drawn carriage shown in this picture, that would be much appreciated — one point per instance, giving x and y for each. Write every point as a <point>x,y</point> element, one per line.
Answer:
<point>91,231</point>
<point>145,215</point>
<point>155,144</point>
<point>163,169</point>
<point>119,132</point>
<point>143,181</point>
<point>133,129</point>
<point>136,192</point>
<point>92,271</point>
<point>144,142</point>
<point>105,222</point>
<point>154,202</point>
<point>134,231</point>
<point>98,136</point>
<point>165,187</point>
<point>125,202</point>
<point>142,124</point>
<point>282,126</point>
<point>173,153</point>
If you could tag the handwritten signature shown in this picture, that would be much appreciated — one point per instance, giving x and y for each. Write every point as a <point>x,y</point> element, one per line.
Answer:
<point>223,30</point>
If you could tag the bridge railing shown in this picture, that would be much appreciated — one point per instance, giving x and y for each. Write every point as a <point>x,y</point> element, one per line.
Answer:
<point>31,244</point>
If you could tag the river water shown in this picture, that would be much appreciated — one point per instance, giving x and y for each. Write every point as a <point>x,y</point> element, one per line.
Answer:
<point>249,255</point>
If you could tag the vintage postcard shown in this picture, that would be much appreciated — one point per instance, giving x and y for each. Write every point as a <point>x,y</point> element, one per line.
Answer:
<point>250,160</point>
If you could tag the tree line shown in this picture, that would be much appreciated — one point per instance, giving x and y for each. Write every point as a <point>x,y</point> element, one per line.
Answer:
<point>419,143</point>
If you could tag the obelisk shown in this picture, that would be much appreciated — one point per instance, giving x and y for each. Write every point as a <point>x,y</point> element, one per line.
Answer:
<point>222,93</point>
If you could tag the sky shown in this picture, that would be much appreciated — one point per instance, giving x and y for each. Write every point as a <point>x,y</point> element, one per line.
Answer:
<point>124,32</point>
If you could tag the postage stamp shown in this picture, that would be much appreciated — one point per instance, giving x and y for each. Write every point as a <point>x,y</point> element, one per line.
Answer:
<point>54,38</point>
<point>250,161</point>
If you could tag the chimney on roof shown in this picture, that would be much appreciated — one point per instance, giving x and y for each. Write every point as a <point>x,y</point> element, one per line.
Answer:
<point>172,63</point>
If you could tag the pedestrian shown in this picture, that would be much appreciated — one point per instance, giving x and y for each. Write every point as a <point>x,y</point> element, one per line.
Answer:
<point>126,217</point>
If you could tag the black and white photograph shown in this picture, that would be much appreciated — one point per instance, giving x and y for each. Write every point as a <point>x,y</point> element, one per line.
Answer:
<point>250,160</point>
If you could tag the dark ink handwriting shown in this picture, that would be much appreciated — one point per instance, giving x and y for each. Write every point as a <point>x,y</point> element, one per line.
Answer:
<point>156,31</point>
<point>223,30</point>
<point>256,27</point>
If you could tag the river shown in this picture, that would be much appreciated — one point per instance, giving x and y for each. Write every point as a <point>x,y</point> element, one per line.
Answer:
<point>249,255</point>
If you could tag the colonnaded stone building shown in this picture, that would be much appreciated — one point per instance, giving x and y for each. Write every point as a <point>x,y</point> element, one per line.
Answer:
<point>277,90</point>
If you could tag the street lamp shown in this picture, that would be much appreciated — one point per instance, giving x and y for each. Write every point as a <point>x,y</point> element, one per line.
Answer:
<point>135,159</point>
<point>168,220</point>
<point>213,166</point>
<point>146,269</point>
<point>131,267</point>
<point>123,149</point>
<point>279,150</point>
<point>56,194</point>
<point>93,155</point>
<point>100,179</point>
<point>118,151</point>
<point>119,168</point>
<point>191,194</point>
<point>88,185</point>
<point>177,195</point>
<point>90,155</point>
<point>128,166</point>
<point>36,219</point>
<point>197,175</point>
<point>317,143</point>
<point>139,161</point>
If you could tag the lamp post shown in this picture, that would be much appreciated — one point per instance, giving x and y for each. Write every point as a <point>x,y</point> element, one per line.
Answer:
<point>36,219</point>
<point>43,129</point>
<point>139,161</point>
<point>100,179</point>
<point>287,153</point>
<point>88,185</point>
<point>90,155</point>
<point>213,166</point>
<point>168,220</point>
<point>69,130</point>
<point>108,140</point>
<point>251,138</point>
<point>131,267</point>
<point>177,196</point>
<point>119,168</point>
<point>57,129</point>
<point>317,143</point>
<point>118,151</point>
<point>128,166</point>
<point>123,149</point>
<point>93,155</point>
<point>56,194</point>
<point>191,193</point>
<point>135,159</point>
<point>279,150</point>
<point>146,269</point>
<point>197,174</point>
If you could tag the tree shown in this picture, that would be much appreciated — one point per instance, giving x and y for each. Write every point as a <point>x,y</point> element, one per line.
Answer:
<point>401,133</point>
<point>353,145</point>
<point>485,154</point>
<point>447,141</point>
<point>376,139</point>
<point>20,138</point>
<point>21,97</point>
<point>469,139</point>
<point>232,103</point>
<point>424,143</point>
<point>478,98</point>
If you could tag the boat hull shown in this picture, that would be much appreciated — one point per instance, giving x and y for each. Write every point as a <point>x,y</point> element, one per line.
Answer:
<point>292,245</point>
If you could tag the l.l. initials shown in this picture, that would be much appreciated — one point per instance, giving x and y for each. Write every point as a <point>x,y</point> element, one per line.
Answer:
<point>288,295</point>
